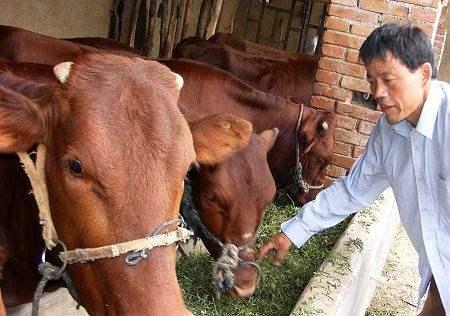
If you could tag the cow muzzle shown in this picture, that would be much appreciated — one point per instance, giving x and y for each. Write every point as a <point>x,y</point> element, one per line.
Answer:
<point>235,272</point>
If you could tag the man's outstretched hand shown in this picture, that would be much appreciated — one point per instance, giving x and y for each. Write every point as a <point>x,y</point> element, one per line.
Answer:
<point>279,244</point>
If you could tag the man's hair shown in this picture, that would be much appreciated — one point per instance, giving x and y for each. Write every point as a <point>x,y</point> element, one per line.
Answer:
<point>407,43</point>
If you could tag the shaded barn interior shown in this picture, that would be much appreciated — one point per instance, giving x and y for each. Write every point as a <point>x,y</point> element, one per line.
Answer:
<point>154,27</point>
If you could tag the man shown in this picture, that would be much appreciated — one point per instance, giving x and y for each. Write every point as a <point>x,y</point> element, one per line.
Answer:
<point>408,149</point>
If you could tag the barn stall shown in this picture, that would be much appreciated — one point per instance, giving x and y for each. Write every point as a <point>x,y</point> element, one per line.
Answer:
<point>338,28</point>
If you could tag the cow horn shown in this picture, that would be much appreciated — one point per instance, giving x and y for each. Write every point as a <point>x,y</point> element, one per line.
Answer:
<point>179,81</point>
<point>324,125</point>
<point>62,70</point>
<point>225,124</point>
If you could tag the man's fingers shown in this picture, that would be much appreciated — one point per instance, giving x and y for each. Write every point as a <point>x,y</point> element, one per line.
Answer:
<point>264,250</point>
<point>279,257</point>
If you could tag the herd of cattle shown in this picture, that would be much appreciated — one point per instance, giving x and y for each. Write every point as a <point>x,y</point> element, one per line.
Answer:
<point>122,132</point>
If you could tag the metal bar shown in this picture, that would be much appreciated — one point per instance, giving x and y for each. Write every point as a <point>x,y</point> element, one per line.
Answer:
<point>295,29</point>
<point>305,26</point>
<point>269,7</point>
<point>321,28</point>
<point>291,13</point>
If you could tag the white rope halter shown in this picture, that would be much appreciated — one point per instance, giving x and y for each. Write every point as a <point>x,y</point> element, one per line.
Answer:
<point>36,174</point>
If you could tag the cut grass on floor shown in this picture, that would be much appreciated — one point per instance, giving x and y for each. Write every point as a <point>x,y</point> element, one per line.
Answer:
<point>280,288</point>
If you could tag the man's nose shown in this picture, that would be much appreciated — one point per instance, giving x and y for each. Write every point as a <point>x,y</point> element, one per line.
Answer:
<point>379,90</point>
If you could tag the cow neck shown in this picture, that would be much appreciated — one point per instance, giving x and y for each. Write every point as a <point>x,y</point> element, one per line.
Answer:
<point>278,112</point>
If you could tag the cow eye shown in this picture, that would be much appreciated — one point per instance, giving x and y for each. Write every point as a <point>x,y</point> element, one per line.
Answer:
<point>210,197</point>
<point>320,161</point>
<point>75,167</point>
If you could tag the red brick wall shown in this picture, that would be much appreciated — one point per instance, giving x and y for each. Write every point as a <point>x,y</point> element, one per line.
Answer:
<point>340,74</point>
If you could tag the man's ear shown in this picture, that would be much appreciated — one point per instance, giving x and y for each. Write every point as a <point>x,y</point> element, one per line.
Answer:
<point>427,72</point>
<point>21,122</point>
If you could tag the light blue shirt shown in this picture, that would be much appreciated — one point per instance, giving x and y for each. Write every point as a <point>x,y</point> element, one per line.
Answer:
<point>415,162</point>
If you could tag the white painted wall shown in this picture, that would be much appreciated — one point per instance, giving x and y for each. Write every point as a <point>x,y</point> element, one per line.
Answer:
<point>58,18</point>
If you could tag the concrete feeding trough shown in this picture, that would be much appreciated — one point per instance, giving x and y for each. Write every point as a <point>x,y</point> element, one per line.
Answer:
<point>346,280</point>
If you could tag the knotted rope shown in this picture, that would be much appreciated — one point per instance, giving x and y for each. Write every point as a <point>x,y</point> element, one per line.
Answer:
<point>296,173</point>
<point>51,272</point>
<point>223,269</point>
<point>224,266</point>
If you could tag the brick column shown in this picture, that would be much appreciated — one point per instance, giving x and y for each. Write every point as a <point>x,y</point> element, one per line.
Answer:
<point>441,35</point>
<point>341,77</point>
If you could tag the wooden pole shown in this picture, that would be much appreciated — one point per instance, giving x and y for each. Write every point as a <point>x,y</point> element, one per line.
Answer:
<point>125,33</point>
<point>226,19</point>
<point>180,20</point>
<point>166,4</point>
<point>187,19</point>
<point>152,12</point>
<point>116,20</point>
<point>134,23</point>
<point>216,8</point>
<point>204,13</point>
<point>170,37</point>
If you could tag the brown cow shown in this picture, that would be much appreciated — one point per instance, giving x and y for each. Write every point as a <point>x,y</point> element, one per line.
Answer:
<point>104,187</point>
<point>249,46</point>
<point>211,90</point>
<point>245,186</point>
<point>105,44</point>
<point>285,77</point>
<point>231,198</point>
<point>25,46</point>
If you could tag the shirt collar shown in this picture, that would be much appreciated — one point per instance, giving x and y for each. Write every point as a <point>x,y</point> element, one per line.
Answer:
<point>427,119</point>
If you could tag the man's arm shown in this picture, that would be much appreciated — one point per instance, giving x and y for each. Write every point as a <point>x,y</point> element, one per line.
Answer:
<point>364,183</point>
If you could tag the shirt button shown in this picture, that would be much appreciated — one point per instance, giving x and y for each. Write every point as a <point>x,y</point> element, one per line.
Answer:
<point>420,178</point>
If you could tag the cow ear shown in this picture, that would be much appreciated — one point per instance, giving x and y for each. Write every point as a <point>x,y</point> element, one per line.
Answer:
<point>219,136</point>
<point>21,123</point>
<point>269,137</point>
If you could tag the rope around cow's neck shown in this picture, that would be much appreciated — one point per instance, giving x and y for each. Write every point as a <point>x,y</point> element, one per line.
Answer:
<point>296,173</point>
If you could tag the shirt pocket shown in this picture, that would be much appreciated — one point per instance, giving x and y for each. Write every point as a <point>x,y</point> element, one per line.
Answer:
<point>444,199</point>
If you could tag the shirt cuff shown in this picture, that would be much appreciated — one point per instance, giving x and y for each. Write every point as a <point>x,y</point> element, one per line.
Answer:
<point>295,231</point>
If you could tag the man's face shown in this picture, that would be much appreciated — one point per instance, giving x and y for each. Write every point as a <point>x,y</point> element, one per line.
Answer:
<point>400,93</point>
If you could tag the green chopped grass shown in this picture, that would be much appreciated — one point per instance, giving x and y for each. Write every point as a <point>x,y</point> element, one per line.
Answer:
<point>281,286</point>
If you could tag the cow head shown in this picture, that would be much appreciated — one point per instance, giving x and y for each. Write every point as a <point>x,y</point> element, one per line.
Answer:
<point>315,142</point>
<point>231,198</point>
<point>118,151</point>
